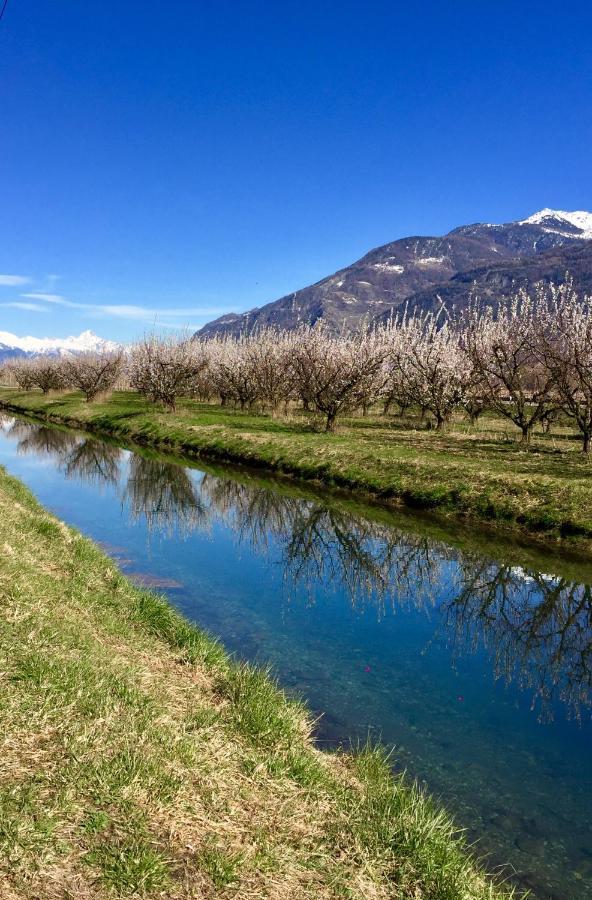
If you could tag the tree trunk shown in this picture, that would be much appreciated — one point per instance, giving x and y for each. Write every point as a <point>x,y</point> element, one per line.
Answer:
<point>526,434</point>
<point>330,424</point>
<point>387,407</point>
<point>586,442</point>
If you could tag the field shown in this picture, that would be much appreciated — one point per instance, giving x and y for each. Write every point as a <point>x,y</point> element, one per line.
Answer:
<point>137,759</point>
<point>476,471</point>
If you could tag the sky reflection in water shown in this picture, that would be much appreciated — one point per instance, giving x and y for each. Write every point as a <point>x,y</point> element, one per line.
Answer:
<point>476,667</point>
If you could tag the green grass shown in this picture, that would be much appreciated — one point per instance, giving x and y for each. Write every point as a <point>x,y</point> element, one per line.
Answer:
<point>137,759</point>
<point>478,472</point>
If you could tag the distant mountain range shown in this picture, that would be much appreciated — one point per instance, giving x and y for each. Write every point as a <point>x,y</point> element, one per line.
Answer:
<point>428,271</point>
<point>12,346</point>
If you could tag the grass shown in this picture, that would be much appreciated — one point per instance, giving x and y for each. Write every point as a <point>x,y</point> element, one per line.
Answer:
<point>479,472</point>
<point>138,760</point>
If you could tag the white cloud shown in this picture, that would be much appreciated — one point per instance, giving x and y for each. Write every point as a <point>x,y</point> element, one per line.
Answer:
<point>13,280</point>
<point>127,311</point>
<point>30,307</point>
<point>47,298</point>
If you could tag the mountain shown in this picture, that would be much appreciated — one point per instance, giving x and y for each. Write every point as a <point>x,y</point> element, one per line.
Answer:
<point>491,283</point>
<point>419,270</point>
<point>12,346</point>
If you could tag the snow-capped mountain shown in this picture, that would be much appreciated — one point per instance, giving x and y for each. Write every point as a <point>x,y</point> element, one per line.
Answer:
<point>11,345</point>
<point>577,224</point>
<point>424,271</point>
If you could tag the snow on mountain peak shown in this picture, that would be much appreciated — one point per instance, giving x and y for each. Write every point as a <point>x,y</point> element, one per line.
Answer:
<point>87,340</point>
<point>548,218</point>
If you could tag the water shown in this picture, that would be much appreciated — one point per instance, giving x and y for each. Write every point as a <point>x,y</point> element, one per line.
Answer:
<point>473,659</point>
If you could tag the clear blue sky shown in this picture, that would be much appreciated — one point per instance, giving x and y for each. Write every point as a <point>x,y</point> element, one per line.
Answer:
<point>169,161</point>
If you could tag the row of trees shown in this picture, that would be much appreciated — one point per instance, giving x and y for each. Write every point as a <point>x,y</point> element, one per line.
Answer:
<point>95,374</point>
<point>527,360</point>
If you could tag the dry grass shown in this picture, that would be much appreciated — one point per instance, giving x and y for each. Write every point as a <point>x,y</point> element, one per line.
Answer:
<point>137,760</point>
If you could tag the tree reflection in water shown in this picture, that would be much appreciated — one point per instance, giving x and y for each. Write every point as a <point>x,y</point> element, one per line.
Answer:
<point>40,439</point>
<point>324,546</point>
<point>95,462</point>
<point>537,628</point>
<point>85,458</point>
<point>164,495</point>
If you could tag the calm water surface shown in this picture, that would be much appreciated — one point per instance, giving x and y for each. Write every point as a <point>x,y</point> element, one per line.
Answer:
<point>475,663</point>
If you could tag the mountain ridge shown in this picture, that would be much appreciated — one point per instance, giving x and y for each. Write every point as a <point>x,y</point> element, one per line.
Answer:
<point>418,269</point>
<point>13,346</point>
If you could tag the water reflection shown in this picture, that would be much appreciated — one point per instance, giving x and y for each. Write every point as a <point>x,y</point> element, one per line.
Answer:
<point>383,623</point>
<point>88,459</point>
<point>536,628</point>
<point>326,547</point>
<point>40,439</point>
<point>93,462</point>
<point>164,495</point>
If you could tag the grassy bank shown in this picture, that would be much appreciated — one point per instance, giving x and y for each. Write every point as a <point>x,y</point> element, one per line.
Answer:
<point>137,759</point>
<point>477,471</point>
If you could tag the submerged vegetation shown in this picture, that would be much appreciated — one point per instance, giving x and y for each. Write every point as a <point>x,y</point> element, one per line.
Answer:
<point>138,759</point>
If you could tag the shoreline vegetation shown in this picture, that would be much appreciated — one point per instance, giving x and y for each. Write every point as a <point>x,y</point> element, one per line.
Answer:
<point>478,471</point>
<point>138,759</point>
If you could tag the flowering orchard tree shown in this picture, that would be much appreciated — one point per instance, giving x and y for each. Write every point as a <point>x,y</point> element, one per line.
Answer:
<point>268,358</point>
<point>232,371</point>
<point>400,378</point>
<point>431,367</point>
<point>94,373</point>
<point>501,344</point>
<point>528,359</point>
<point>337,374</point>
<point>48,373</point>
<point>164,369</point>
<point>202,385</point>
<point>21,373</point>
<point>564,347</point>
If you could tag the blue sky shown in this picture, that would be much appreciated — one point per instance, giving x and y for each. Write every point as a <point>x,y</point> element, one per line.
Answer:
<point>167,162</point>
